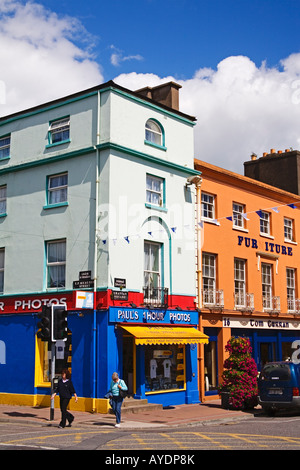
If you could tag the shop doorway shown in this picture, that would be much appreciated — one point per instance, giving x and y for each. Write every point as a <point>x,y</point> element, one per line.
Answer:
<point>266,353</point>
<point>128,345</point>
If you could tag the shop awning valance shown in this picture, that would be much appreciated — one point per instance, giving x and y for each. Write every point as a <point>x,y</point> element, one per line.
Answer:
<point>166,335</point>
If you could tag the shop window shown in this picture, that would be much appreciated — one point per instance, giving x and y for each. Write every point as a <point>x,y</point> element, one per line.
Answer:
<point>63,360</point>
<point>164,367</point>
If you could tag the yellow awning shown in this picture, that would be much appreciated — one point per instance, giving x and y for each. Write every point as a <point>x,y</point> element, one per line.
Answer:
<point>166,335</point>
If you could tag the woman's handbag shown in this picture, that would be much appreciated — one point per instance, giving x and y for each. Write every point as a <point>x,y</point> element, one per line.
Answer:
<point>123,393</point>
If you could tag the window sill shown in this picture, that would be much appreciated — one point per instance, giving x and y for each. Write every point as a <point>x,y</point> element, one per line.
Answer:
<point>3,215</point>
<point>58,143</point>
<point>160,147</point>
<point>157,208</point>
<point>240,229</point>
<point>266,235</point>
<point>53,206</point>
<point>4,158</point>
<point>292,242</point>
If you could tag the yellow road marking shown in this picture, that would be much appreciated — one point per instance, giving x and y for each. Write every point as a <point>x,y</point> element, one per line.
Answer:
<point>50,436</point>
<point>141,442</point>
<point>206,437</point>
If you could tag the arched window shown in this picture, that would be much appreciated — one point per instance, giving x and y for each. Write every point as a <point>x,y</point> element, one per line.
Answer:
<point>154,133</point>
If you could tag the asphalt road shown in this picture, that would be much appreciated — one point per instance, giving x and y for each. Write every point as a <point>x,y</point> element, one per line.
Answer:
<point>257,433</point>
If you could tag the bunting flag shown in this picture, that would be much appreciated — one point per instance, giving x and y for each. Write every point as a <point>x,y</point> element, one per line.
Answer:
<point>200,224</point>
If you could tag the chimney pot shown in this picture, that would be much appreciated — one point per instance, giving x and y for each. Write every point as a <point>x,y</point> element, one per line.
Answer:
<point>265,154</point>
<point>273,151</point>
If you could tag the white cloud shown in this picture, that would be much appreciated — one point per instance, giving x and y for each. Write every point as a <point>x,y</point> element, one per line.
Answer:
<point>117,57</point>
<point>39,56</point>
<point>240,108</point>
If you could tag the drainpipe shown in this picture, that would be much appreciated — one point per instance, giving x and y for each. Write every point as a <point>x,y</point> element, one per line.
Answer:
<point>198,183</point>
<point>96,262</point>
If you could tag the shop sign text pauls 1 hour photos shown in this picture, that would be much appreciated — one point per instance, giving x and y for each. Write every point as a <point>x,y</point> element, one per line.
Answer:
<point>144,315</point>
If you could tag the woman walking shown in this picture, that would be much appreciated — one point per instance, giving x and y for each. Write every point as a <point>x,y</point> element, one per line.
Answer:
<point>65,389</point>
<point>116,401</point>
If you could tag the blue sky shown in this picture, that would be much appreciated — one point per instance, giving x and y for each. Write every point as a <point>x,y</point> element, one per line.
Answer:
<point>238,62</point>
<point>177,37</point>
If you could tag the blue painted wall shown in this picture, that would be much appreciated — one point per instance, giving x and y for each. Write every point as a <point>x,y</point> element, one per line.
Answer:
<point>18,334</point>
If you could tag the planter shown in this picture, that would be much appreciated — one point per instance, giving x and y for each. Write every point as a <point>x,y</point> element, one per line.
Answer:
<point>225,400</point>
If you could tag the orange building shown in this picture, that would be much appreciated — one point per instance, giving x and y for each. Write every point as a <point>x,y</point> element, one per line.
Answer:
<point>248,279</point>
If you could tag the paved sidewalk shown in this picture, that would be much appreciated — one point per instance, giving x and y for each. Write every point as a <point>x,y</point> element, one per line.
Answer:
<point>205,413</point>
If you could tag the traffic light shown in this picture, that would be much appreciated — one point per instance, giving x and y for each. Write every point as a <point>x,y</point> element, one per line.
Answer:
<point>44,324</point>
<point>59,323</point>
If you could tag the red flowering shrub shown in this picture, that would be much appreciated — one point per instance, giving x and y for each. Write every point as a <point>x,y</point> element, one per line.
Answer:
<point>240,375</point>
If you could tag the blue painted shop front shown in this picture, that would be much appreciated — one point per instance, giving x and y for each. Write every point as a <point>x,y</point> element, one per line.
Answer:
<point>100,345</point>
<point>161,371</point>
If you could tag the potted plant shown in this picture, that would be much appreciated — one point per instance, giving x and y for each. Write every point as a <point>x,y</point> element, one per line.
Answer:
<point>239,379</point>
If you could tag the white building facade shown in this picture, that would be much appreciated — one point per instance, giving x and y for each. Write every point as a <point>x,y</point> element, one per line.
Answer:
<point>95,213</point>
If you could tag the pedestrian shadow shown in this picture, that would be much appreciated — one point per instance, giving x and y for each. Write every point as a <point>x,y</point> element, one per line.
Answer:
<point>17,414</point>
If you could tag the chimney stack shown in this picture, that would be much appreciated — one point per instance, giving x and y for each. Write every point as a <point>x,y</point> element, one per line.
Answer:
<point>167,94</point>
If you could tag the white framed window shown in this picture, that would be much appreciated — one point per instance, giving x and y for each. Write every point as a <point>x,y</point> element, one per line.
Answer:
<point>153,133</point>
<point>2,200</point>
<point>154,190</point>
<point>5,147</point>
<point>237,217</point>
<point>209,278</point>
<point>152,264</point>
<point>57,189</point>
<point>2,257</point>
<point>240,282</point>
<point>288,229</point>
<point>207,206</point>
<point>267,289</point>
<point>291,288</point>
<point>59,131</point>
<point>264,222</point>
<point>56,263</point>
